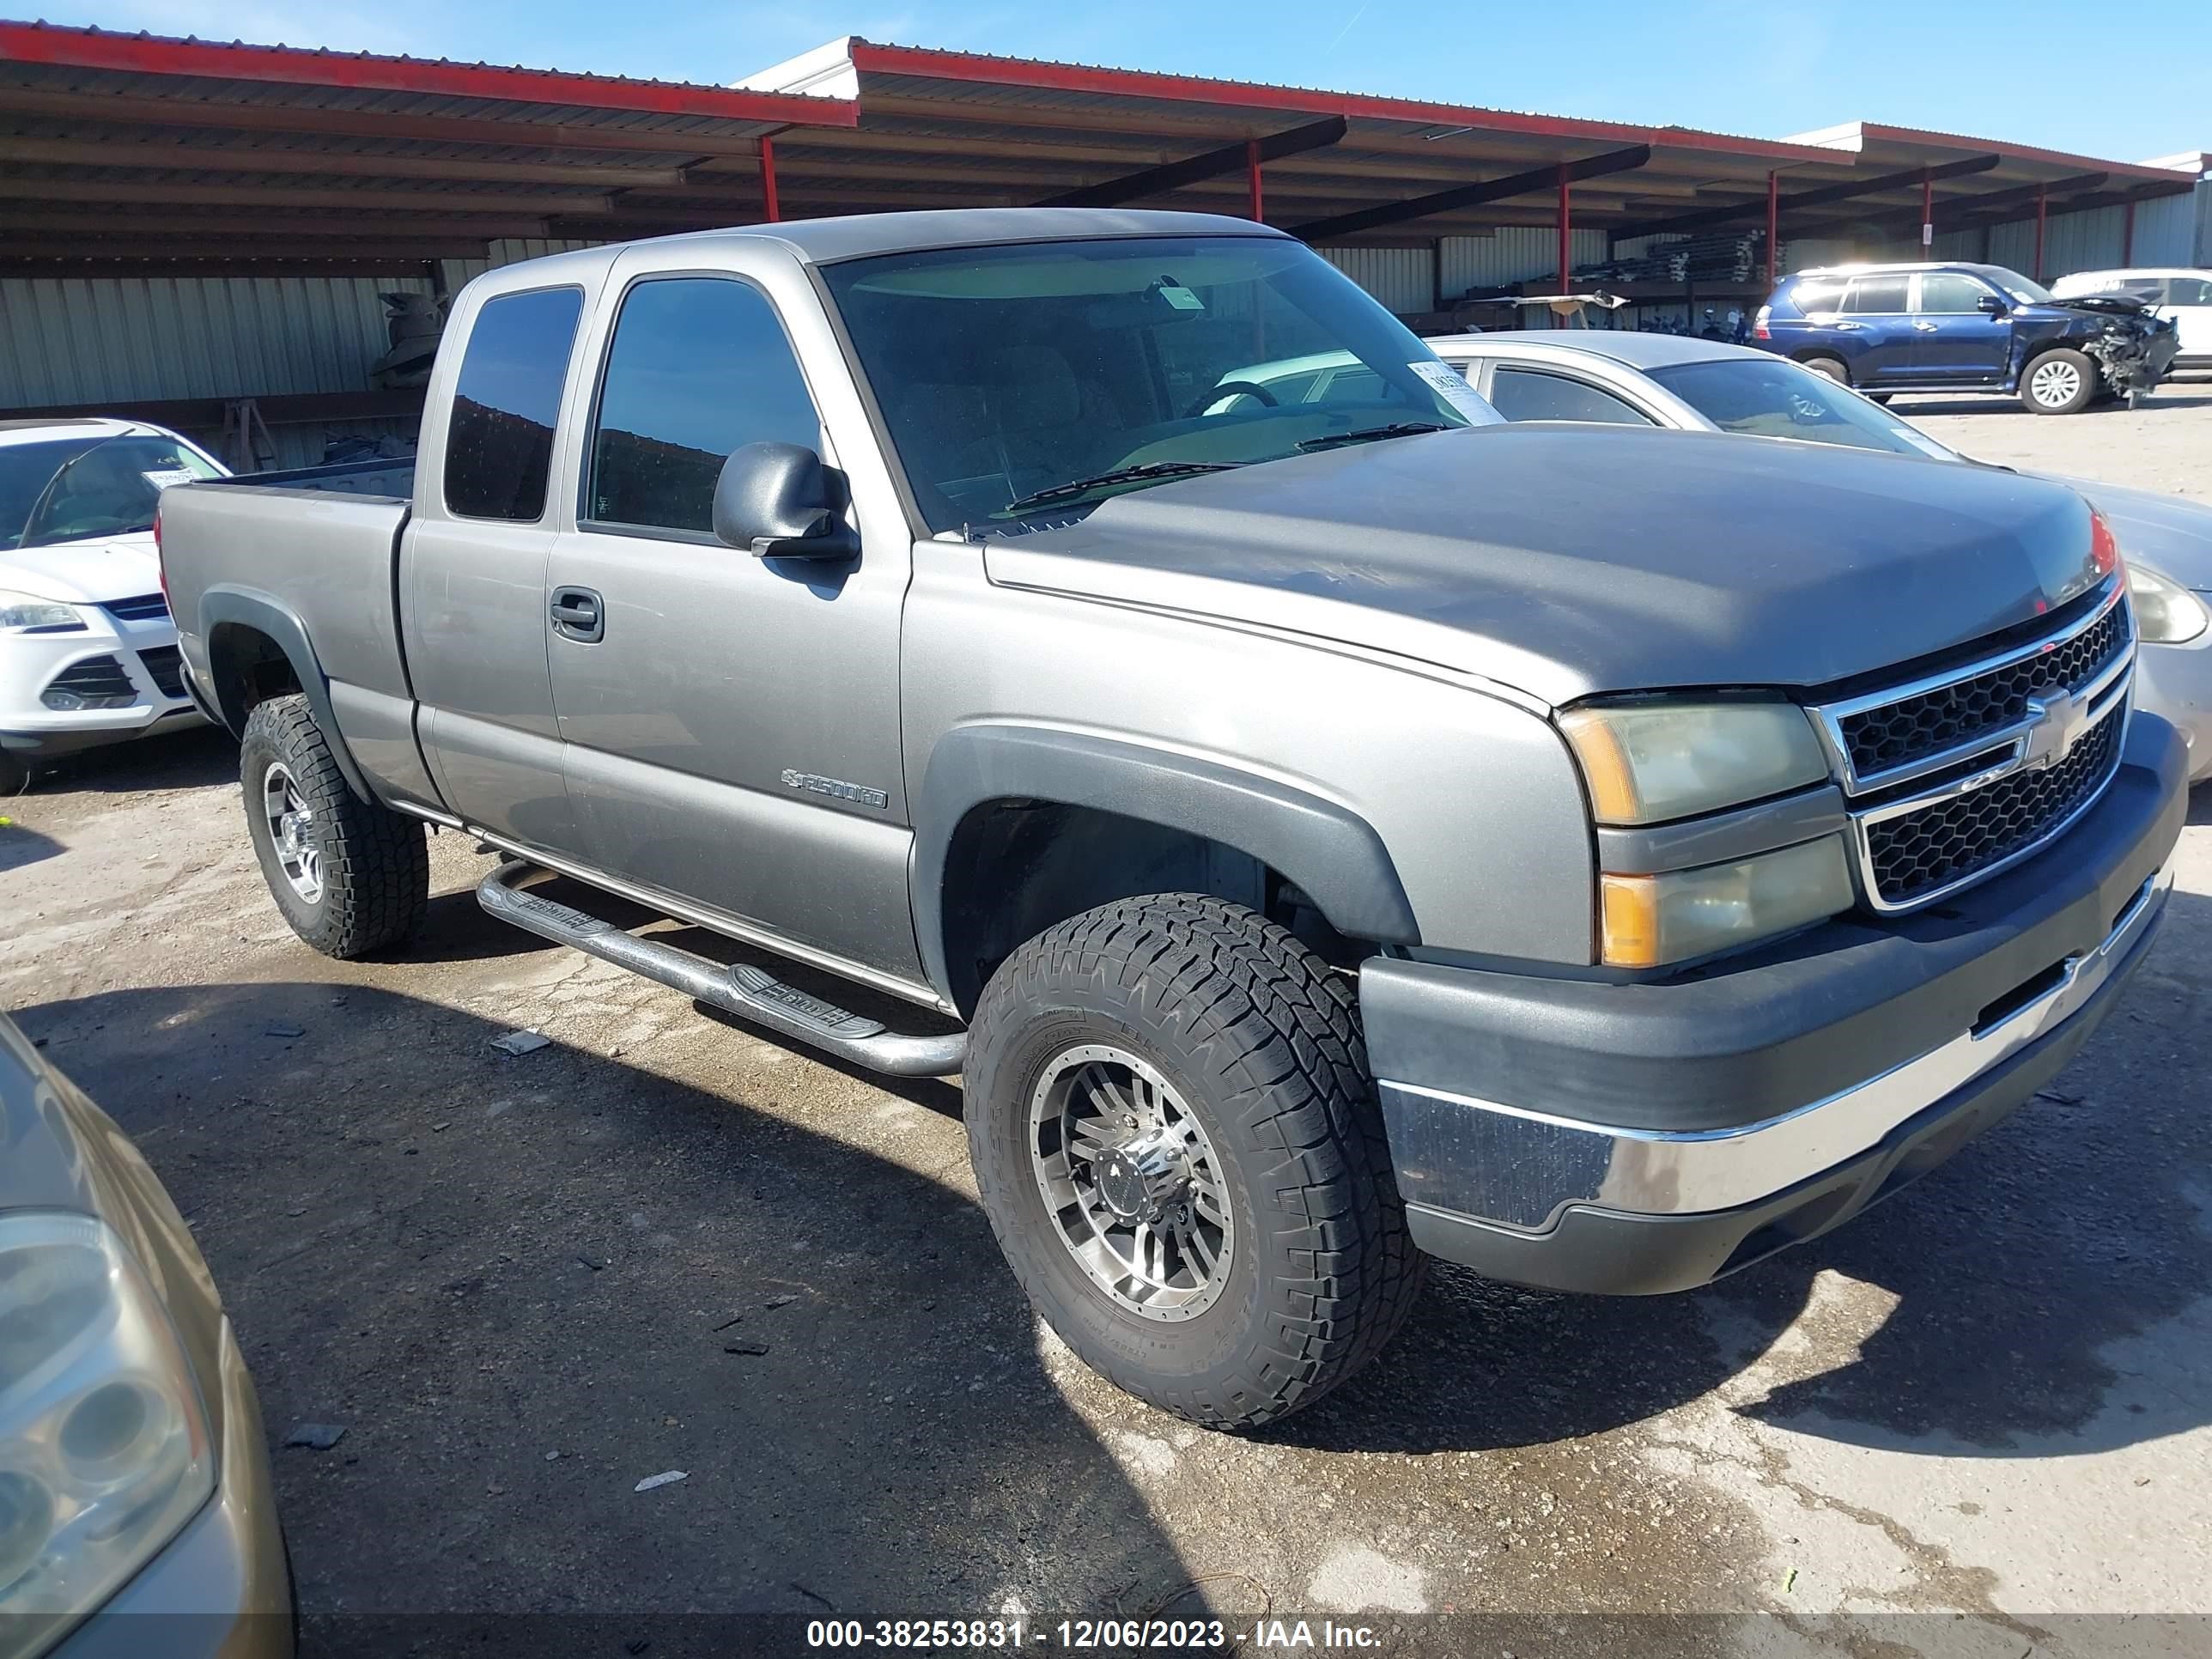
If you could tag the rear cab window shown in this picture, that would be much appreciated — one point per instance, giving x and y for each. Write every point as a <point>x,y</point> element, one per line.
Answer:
<point>499,442</point>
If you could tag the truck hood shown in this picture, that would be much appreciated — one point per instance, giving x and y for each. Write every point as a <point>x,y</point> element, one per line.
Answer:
<point>1570,561</point>
<point>89,572</point>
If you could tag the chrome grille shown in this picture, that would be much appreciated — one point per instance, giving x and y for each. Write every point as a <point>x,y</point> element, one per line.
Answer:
<point>1893,735</point>
<point>1957,776</point>
<point>1914,855</point>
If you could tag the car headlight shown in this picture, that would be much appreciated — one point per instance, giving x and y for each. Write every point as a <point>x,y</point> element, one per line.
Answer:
<point>38,616</point>
<point>1646,762</point>
<point>1647,920</point>
<point>104,1449</point>
<point>2167,613</point>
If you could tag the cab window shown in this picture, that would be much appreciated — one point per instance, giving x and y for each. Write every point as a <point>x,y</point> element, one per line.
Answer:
<point>1948,294</point>
<point>499,443</point>
<point>1879,296</point>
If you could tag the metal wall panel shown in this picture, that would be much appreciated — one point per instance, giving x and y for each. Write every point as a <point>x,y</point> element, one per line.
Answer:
<point>2166,229</point>
<point>1403,278</point>
<point>1512,253</point>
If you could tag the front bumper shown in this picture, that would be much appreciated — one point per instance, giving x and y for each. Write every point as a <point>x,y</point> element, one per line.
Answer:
<point>1635,1139</point>
<point>29,663</point>
<point>222,1589</point>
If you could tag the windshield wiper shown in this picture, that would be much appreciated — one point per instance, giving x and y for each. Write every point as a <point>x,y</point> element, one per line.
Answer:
<point>1368,434</point>
<point>1159,471</point>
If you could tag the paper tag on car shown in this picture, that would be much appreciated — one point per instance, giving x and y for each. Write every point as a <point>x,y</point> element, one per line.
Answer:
<point>164,478</point>
<point>1452,386</point>
<point>1179,297</point>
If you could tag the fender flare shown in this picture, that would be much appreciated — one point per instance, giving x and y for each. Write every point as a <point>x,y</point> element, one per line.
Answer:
<point>265,613</point>
<point>1333,855</point>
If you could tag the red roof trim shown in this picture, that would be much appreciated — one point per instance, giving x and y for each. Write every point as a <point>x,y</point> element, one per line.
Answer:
<point>1875,133</point>
<point>151,54</point>
<point>929,62</point>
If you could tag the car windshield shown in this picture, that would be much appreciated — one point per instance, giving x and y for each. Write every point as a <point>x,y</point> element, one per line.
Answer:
<point>2024,289</point>
<point>1773,398</point>
<point>70,489</point>
<point>1037,379</point>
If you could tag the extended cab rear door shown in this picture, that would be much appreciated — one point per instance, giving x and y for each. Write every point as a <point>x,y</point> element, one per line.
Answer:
<point>473,569</point>
<point>731,722</point>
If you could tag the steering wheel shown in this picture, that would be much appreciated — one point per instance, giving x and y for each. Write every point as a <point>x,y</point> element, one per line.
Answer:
<point>1231,389</point>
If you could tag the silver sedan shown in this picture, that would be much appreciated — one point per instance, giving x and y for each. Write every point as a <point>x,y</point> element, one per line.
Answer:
<point>1620,377</point>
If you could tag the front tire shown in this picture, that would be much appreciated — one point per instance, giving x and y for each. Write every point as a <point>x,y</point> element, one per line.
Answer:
<point>2061,381</point>
<point>350,876</point>
<point>1178,1146</point>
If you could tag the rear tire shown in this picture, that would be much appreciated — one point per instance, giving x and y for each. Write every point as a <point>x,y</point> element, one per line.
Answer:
<point>2060,381</point>
<point>1830,367</point>
<point>1235,1097</point>
<point>350,876</point>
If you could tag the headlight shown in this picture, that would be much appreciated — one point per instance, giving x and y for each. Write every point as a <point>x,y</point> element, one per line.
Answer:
<point>104,1452</point>
<point>40,616</point>
<point>2167,613</point>
<point>1646,762</point>
<point>1646,921</point>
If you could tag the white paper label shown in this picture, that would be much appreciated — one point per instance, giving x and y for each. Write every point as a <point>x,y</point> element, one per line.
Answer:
<point>1181,297</point>
<point>1452,386</point>
<point>175,475</point>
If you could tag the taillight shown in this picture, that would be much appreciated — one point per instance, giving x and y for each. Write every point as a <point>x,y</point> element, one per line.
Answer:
<point>1759,324</point>
<point>2104,546</point>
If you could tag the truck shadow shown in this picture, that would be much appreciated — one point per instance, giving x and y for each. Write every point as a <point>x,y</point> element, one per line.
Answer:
<point>2050,1288</point>
<point>525,1284</point>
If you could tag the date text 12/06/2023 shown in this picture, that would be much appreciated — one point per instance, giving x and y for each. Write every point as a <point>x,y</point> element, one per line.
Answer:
<point>1085,1635</point>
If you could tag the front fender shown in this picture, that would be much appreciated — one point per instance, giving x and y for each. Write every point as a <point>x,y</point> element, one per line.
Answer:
<point>1331,853</point>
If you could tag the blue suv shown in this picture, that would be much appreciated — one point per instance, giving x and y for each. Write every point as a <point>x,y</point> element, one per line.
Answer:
<point>1966,328</point>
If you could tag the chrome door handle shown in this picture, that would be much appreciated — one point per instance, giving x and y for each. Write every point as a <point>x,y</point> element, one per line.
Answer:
<point>1926,328</point>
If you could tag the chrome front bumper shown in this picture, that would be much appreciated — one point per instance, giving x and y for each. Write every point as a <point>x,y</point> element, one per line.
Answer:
<point>1521,1168</point>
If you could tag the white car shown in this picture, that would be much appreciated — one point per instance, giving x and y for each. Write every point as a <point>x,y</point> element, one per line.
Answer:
<point>87,653</point>
<point>2182,297</point>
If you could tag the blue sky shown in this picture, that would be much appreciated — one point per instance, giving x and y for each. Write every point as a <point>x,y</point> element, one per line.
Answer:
<point>2031,72</point>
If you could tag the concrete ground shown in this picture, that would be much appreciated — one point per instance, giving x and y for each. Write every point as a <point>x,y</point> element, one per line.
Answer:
<point>523,1285</point>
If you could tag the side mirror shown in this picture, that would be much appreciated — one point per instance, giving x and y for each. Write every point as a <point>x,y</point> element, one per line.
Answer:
<point>1990,306</point>
<point>780,502</point>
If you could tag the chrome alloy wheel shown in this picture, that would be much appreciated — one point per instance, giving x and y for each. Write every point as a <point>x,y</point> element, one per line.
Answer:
<point>2055,383</point>
<point>292,830</point>
<point>1132,1186</point>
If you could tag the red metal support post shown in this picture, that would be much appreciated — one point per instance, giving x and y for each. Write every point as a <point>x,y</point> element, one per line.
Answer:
<point>2042,212</point>
<point>1773,228</point>
<point>2128,235</point>
<point>1927,215</point>
<point>1567,228</point>
<point>1252,179</point>
<point>769,206</point>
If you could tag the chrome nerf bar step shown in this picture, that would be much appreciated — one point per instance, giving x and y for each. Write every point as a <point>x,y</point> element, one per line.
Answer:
<point>743,990</point>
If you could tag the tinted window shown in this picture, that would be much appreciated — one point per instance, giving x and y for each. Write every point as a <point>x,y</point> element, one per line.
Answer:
<point>699,367</point>
<point>1878,294</point>
<point>1524,394</point>
<point>1811,297</point>
<point>75,488</point>
<point>1945,293</point>
<point>1773,398</point>
<point>500,444</point>
<point>2189,291</point>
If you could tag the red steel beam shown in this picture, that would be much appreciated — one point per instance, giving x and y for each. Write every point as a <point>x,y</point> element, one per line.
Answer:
<point>769,206</point>
<point>148,54</point>
<point>1259,202</point>
<point>2042,213</point>
<point>1927,214</point>
<point>1566,230</point>
<point>1773,228</point>
<point>2128,234</point>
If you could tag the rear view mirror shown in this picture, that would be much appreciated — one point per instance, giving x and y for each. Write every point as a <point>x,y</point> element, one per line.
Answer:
<point>1990,306</point>
<point>780,502</point>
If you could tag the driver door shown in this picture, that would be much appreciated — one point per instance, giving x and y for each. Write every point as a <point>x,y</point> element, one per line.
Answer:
<point>731,722</point>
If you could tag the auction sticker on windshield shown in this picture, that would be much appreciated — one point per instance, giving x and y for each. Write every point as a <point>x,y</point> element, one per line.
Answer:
<point>1452,386</point>
<point>168,476</point>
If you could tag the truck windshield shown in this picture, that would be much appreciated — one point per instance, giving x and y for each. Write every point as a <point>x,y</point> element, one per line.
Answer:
<point>1772,398</point>
<point>2024,290</point>
<point>72,490</point>
<point>1033,380</point>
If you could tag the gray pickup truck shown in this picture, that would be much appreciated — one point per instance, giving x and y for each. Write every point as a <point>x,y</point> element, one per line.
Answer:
<point>1340,827</point>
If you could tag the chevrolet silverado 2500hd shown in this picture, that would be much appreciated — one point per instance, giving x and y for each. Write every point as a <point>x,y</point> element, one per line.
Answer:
<point>1341,828</point>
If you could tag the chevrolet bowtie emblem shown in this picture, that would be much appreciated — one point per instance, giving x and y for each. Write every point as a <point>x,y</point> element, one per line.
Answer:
<point>2056,720</point>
